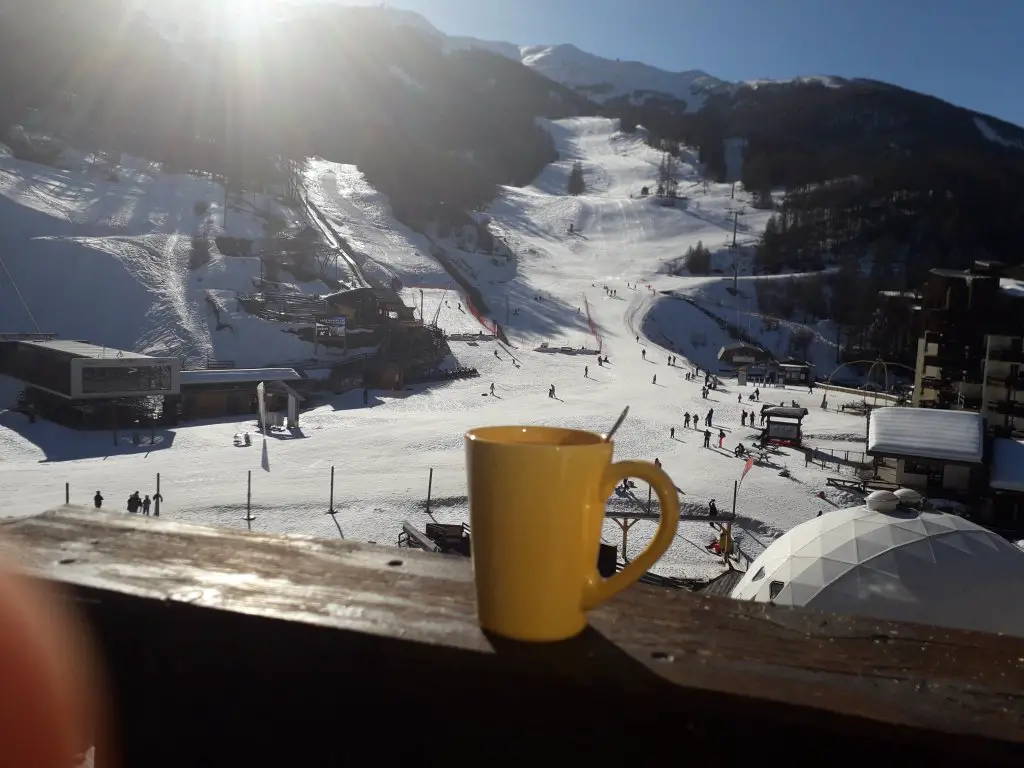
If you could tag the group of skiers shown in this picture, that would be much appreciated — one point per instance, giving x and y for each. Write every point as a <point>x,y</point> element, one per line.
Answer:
<point>135,503</point>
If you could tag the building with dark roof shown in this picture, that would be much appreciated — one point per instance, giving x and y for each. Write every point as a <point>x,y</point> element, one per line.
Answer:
<point>78,370</point>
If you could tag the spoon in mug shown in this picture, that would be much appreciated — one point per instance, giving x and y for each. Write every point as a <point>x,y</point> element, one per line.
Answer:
<point>615,427</point>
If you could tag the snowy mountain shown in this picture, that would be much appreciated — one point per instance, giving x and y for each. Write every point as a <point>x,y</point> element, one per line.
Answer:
<point>597,78</point>
<point>607,80</point>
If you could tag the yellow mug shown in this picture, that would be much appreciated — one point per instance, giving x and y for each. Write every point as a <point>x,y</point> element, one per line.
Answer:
<point>537,506</point>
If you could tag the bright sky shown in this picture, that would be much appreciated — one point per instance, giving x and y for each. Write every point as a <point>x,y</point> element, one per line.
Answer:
<point>969,52</point>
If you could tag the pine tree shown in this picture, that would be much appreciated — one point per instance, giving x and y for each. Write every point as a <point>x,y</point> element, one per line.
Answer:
<point>668,176</point>
<point>576,184</point>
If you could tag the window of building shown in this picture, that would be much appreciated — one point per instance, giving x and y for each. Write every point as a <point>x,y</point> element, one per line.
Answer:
<point>759,575</point>
<point>775,588</point>
<point>931,470</point>
<point>98,380</point>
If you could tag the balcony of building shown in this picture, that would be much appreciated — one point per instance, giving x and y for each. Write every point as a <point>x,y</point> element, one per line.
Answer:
<point>222,647</point>
<point>1013,382</point>
<point>1006,355</point>
<point>1011,408</point>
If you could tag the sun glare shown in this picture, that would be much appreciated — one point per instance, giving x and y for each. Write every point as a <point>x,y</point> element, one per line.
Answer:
<point>243,15</point>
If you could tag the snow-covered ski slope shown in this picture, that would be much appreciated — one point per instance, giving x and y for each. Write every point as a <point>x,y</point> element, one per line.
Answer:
<point>383,453</point>
<point>384,248</point>
<point>99,251</point>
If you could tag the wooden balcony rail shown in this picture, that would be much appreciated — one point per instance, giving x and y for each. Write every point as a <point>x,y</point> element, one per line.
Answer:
<point>224,648</point>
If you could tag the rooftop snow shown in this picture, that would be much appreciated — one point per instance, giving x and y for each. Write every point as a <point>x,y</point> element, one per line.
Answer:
<point>1011,287</point>
<point>1007,465</point>
<point>85,349</point>
<point>238,376</point>
<point>926,433</point>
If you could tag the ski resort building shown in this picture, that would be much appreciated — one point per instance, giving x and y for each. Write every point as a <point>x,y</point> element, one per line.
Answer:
<point>742,355</point>
<point>368,306</point>
<point>893,558</point>
<point>937,452</point>
<point>784,424</point>
<point>971,350</point>
<point>80,371</point>
<point>211,394</point>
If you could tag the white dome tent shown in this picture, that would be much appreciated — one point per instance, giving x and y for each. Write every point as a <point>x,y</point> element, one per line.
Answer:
<point>889,560</point>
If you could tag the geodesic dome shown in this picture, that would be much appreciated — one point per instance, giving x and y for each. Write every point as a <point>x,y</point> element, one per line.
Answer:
<point>894,562</point>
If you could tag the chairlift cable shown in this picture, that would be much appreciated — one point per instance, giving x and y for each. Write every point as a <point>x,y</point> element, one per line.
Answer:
<point>18,292</point>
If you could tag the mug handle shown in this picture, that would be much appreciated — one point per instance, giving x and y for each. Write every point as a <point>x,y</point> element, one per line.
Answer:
<point>598,590</point>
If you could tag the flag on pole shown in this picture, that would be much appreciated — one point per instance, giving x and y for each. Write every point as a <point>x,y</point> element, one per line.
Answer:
<point>746,467</point>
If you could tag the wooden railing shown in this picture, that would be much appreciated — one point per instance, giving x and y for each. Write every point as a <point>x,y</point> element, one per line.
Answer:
<point>227,648</point>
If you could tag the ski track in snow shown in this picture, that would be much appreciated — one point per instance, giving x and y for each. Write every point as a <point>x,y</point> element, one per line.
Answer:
<point>383,453</point>
<point>160,263</point>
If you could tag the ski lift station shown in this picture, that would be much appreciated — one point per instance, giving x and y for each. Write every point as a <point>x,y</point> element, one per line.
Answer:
<point>77,370</point>
<point>895,559</point>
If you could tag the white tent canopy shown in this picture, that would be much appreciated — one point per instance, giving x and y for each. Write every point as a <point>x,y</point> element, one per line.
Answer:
<point>927,433</point>
<point>905,564</point>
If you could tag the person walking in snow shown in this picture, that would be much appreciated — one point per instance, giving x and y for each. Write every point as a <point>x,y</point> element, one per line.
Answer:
<point>739,398</point>
<point>712,509</point>
<point>721,438</point>
<point>98,499</point>
<point>743,418</point>
<point>711,415</point>
<point>672,433</point>
<point>492,387</point>
<point>824,402</point>
<point>551,391</point>
<point>157,498</point>
<point>638,338</point>
<point>643,354</point>
<point>497,355</point>
<point>145,505</point>
<point>655,379</point>
<point>696,420</point>
<point>586,371</point>
<point>686,420</point>
<point>707,438</point>
<point>657,462</point>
